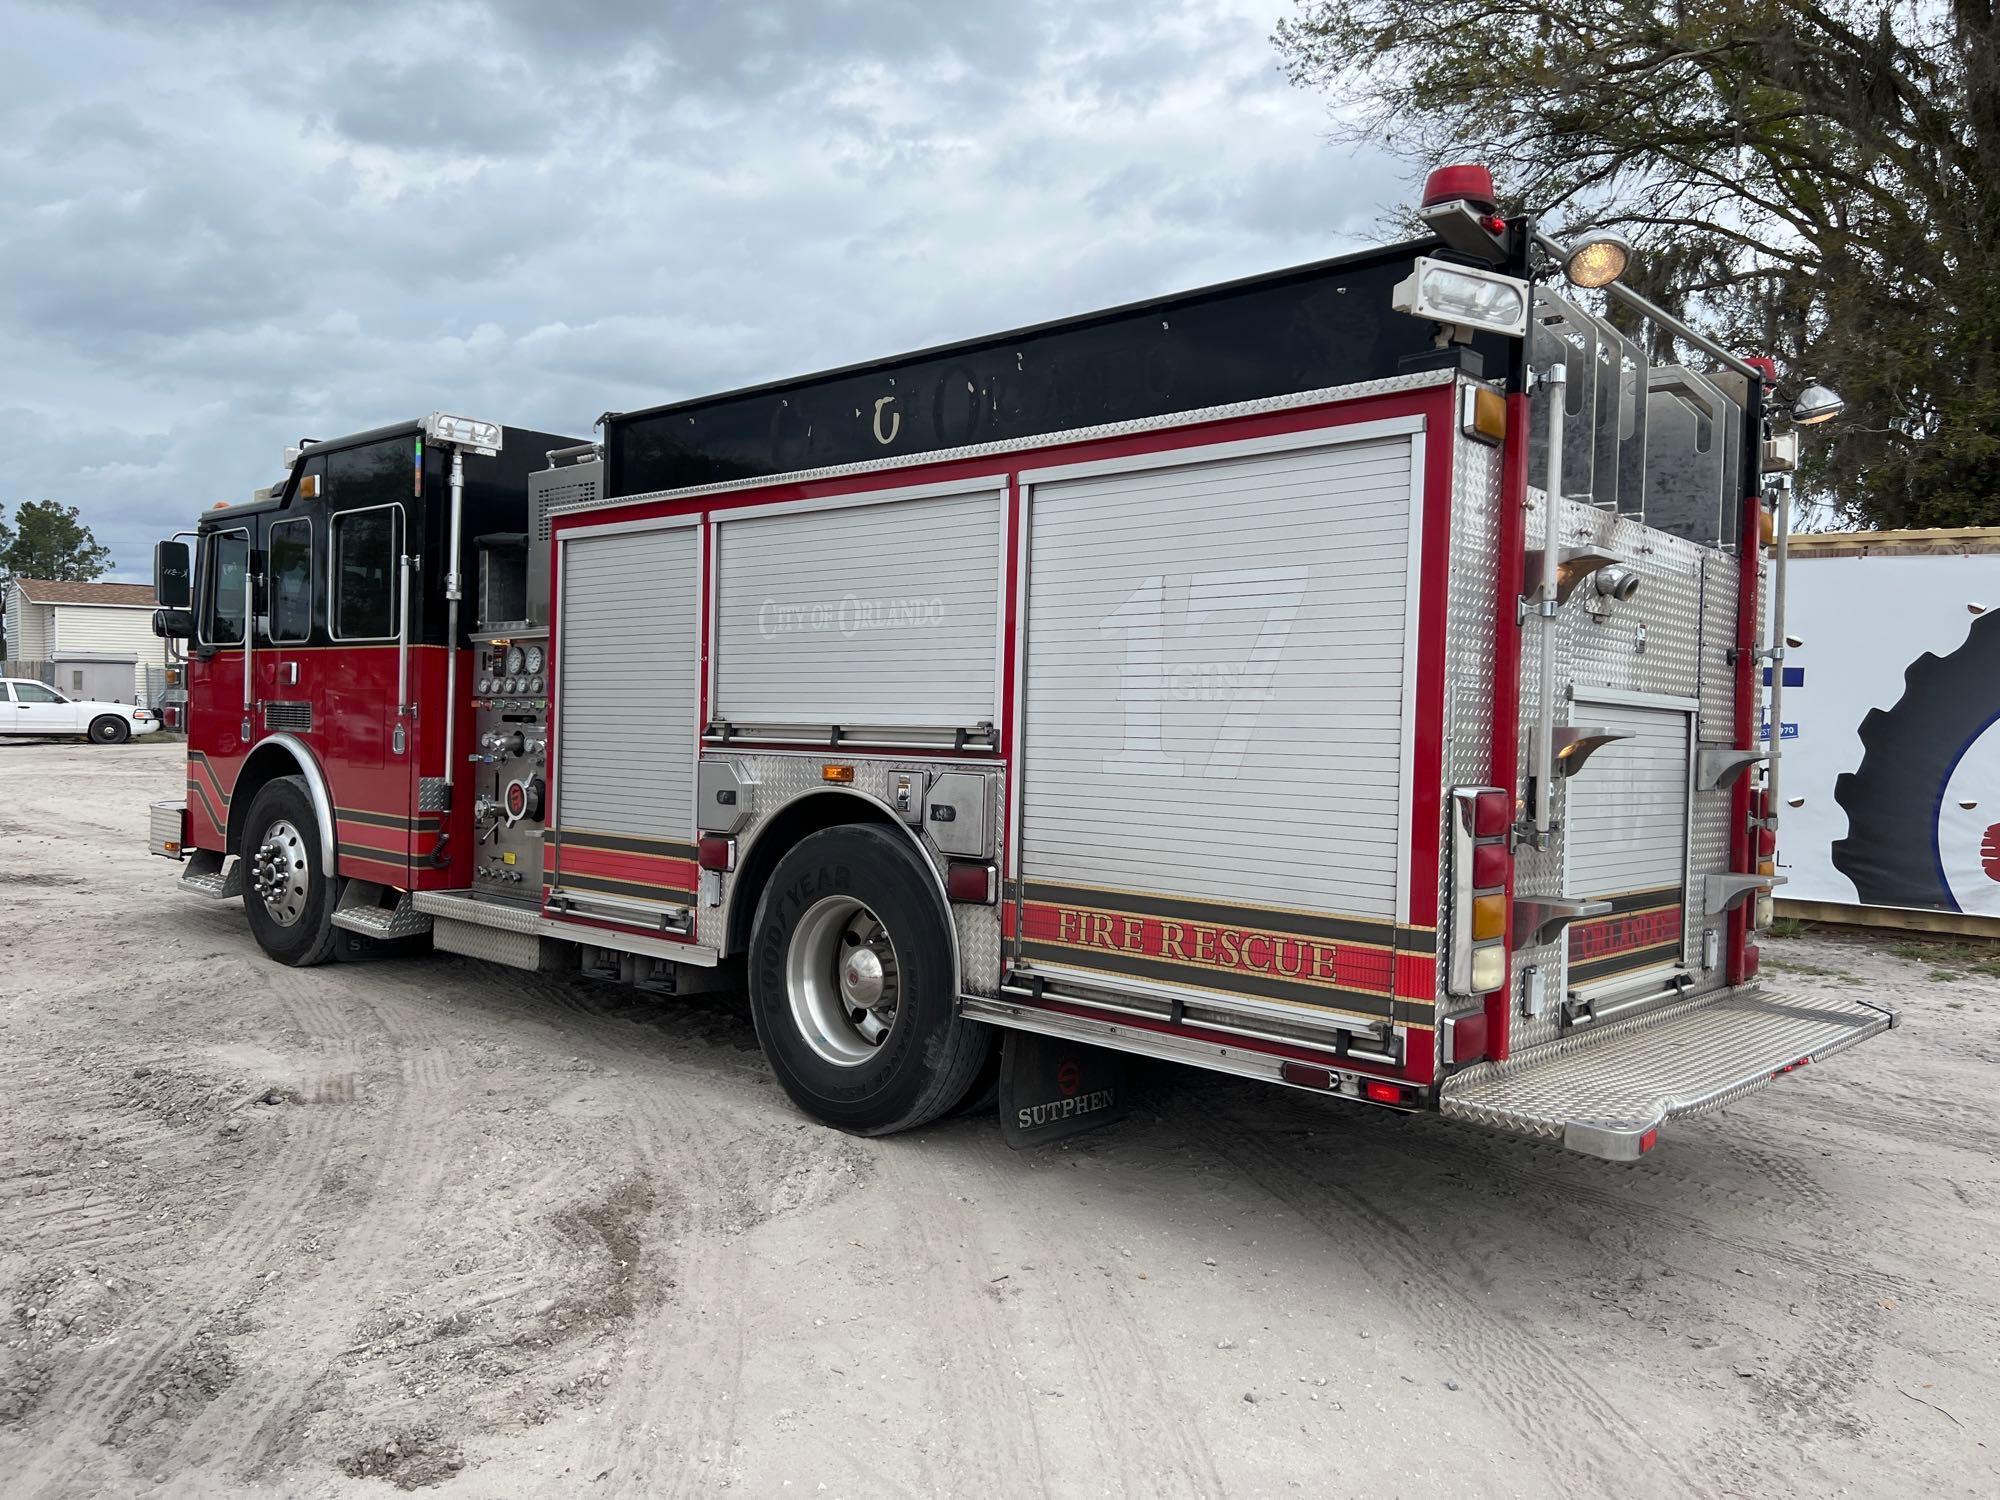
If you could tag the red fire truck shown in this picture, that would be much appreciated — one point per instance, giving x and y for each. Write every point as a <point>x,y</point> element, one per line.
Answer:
<point>1348,677</point>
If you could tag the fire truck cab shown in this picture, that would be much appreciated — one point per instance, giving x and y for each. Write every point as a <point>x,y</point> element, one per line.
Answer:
<point>326,718</point>
<point>1348,678</point>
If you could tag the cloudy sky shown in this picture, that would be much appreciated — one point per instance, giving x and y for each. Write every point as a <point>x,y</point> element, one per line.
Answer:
<point>228,223</point>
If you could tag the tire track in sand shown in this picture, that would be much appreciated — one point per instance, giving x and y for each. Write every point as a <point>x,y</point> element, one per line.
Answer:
<point>1549,1402</point>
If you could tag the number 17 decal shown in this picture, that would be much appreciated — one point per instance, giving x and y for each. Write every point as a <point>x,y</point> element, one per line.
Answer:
<point>1149,681</point>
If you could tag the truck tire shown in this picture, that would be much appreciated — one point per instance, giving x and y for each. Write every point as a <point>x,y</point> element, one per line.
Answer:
<point>286,896</point>
<point>109,729</point>
<point>1895,798</point>
<point>852,986</point>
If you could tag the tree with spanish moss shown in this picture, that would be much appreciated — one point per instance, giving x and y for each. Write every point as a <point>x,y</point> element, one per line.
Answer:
<point>1814,179</point>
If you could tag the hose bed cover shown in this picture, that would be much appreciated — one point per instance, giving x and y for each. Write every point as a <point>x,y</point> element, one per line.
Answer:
<point>1601,1091</point>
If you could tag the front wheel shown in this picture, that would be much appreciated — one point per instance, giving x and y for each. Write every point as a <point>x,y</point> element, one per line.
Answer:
<point>288,899</point>
<point>852,985</point>
<point>109,729</point>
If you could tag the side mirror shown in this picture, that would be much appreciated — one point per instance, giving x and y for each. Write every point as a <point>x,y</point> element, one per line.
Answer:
<point>173,624</point>
<point>173,575</point>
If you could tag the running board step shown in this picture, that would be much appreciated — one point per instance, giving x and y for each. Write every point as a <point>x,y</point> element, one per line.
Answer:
<point>205,876</point>
<point>460,915</point>
<point>361,910</point>
<point>1607,1091</point>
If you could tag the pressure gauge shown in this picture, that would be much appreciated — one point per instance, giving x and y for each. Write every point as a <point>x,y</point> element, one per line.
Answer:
<point>534,683</point>
<point>534,659</point>
<point>485,686</point>
<point>516,659</point>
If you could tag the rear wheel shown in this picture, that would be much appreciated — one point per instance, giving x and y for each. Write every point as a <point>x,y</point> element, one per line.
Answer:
<point>109,729</point>
<point>288,899</point>
<point>852,985</point>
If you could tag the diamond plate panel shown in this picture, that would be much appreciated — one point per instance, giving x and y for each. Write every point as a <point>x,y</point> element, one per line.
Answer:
<point>1720,588</point>
<point>468,910</point>
<point>978,948</point>
<point>1606,649</point>
<point>1611,1085</point>
<point>1537,872</point>
<point>493,945</point>
<point>1686,602</point>
<point>1708,854</point>
<point>783,777</point>
<point>1471,622</point>
<point>358,912</point>
<point>433,794</point>
<point>1709,844</point>
<point>204,876</point>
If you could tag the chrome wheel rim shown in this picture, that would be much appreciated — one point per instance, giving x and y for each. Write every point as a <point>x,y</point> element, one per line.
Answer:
<point>279,875</point>
<point>843,981</point>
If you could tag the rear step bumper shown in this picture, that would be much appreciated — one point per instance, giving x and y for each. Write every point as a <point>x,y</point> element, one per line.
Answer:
<point>1606,1092</point>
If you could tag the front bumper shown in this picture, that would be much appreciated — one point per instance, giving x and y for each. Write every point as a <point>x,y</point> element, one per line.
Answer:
<point>1607,1092</point>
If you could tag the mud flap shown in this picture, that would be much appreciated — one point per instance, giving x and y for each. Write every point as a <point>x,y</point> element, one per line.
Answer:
<point>1051,1089</point>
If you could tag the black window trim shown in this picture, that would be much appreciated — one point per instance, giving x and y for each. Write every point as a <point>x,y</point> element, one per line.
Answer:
<point>395,564</point>
<point>204,613</point>
<point>271,584</point>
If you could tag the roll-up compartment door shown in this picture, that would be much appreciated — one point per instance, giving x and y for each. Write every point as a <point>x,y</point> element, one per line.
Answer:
<point>628,649</point>
<point>1216,720</point>
<point>1626,841</point>
<point>882,615</point>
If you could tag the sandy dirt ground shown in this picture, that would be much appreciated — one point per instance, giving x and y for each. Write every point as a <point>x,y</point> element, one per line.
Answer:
<point>428,1223</point>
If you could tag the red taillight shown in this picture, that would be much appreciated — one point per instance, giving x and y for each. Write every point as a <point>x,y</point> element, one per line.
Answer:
<point>1751,958</point>
<point>1466,182</point>
<point>1760,802</point>
<point>1305,1075</point>
<point>1382,1093</point>
<point>1649,1140</point>
<point>1767,843</point>
<point>969,881</point>
<point>715,852</point>
<point>1476,918</point>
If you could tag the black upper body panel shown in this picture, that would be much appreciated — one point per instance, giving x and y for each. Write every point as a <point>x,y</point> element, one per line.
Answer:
<point>1303,329</point>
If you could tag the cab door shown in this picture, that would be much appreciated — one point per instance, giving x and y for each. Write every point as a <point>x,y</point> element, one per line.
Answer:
<point>369,677</point>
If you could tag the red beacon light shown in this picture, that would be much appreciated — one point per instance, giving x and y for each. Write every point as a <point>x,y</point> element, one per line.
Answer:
<point>1467,184</point>
<point>1461,206</point>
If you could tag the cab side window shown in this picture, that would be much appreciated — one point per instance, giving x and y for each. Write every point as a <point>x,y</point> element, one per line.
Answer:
<point>366,545</point>
<point>291,580</point>
<point>225,588</point>
<point>34,692</point>
<point>365,537</point>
